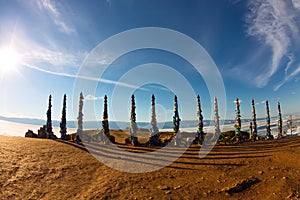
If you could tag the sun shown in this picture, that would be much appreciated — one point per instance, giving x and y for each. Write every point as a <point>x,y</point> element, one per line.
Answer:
<point>9,59</point>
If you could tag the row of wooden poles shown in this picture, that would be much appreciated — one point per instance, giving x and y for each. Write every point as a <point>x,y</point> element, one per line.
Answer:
<point>176,120</point>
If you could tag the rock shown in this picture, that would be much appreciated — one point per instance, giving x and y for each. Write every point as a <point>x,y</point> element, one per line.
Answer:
<point>284,178</point>
<point>163,187</point>
<point>112,139</point>
<point>42,132</point>
<point>143,187</point>
<point>243,185</point>
<point>273,177</point>
<point>177,187</point>
<point>260,172</point>
<point>150,197</point>
<point>225,189</point>
<point>127,140</point>
<point>31,134</point>
<point>291,195</point>
<point>168,192</point>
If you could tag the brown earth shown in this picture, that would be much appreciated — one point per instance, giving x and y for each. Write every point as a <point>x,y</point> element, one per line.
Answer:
<point>48,169</point>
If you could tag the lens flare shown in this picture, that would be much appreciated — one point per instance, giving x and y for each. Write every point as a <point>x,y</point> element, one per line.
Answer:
<point>9,59</point>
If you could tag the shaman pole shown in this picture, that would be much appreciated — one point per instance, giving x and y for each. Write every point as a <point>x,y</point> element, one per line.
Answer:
<point>254,127</point>
<point>279,121</point>
<point>49,121</point>
<point>63,122</point>
<point>105,125</point>
<point>133,126</point>
<point>176,119</point>
<point>251,135</point>
<point>80,118</point>
<point>154,135</point>
<point>237,124</point>
<point>216,119</point>
<point>176,122</point>
<point>268,126</point>
<point>200,134</point>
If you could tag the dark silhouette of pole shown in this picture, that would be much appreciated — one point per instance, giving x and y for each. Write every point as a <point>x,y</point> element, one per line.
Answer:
<point>268,125</point>
<point>279,121</point>
<point>254,121</point>
<point>133,126</point>
<point>105,125</point>
<point>176,119</point>
<point>200,134</point>
<point>49,121</point>
<point>63,122</point>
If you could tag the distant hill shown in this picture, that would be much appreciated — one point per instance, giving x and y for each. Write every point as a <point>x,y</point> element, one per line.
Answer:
<point>23,120</point>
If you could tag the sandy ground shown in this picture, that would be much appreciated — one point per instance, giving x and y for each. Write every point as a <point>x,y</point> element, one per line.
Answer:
<point>47,169</point>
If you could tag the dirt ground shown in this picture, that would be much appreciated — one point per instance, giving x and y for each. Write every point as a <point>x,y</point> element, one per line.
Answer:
<point>48,169</point>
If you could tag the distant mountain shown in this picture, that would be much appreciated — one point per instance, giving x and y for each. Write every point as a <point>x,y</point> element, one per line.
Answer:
<point>23,120</point>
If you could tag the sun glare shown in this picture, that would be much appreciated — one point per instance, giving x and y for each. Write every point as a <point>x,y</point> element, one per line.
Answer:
<point>9,59</point>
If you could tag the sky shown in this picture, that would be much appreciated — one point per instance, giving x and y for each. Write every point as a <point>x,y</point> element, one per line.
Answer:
<point>45,45</point>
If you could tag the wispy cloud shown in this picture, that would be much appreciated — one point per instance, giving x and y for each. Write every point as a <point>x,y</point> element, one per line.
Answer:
<point>289,64</point>
<point>296,4</point>
<point>287,78</point>
<point>55,58</point>
<point>50,7</point>
<point>51,54</point>
<point>274,23</point>
<point>102,58</point>
<point>90,97</point>
<point>111,82</point>
<point>158,87</point>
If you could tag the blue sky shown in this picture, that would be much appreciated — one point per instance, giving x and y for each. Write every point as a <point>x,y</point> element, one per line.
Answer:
<point>254,44</point>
